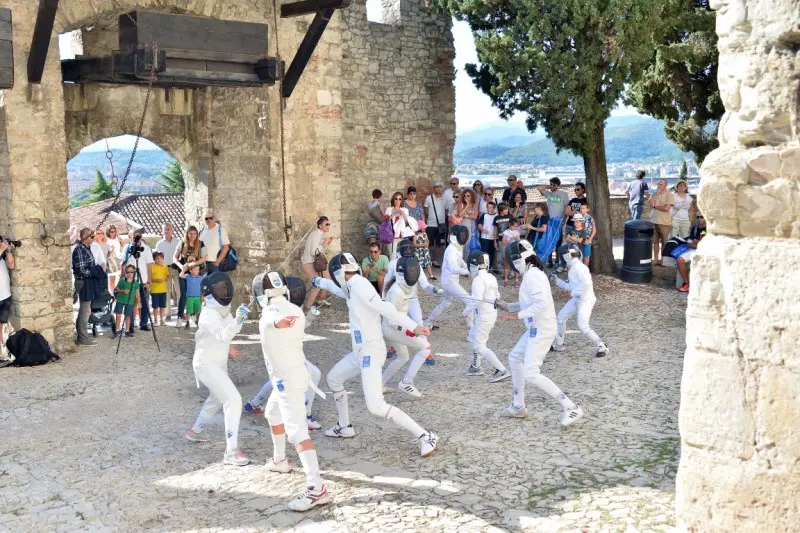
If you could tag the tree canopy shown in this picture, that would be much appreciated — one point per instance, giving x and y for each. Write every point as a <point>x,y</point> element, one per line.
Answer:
<point>172,178</point>
<point>101,190</point>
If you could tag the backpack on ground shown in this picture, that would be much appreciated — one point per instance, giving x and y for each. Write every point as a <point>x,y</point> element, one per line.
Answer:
<point>30,348</point>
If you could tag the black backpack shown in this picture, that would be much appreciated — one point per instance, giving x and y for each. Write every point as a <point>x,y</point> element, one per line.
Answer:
<point>30,349</point>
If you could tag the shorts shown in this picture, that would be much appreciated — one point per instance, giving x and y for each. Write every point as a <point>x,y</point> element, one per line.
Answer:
<point>434,236</point>
<point>159,300</point>
<point>687,255</point>
<point>193,305</point>
<point>5,310</point>
<point>587,250</point>
<point>375,284</point>
<point>119,307</point>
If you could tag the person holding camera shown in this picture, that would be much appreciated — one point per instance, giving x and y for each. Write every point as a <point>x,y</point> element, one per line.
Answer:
<point>90,282</point>
<point>7,264</point>
<point>139,254</point>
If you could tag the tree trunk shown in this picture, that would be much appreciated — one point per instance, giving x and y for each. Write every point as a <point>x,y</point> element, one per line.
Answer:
<point>594,165</point>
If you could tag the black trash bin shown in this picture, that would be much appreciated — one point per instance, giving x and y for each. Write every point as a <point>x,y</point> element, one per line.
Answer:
<point>637,262</point>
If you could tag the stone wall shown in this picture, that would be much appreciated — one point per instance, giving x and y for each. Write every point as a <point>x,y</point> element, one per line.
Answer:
<point>374,108</point>
<point>740,395</point>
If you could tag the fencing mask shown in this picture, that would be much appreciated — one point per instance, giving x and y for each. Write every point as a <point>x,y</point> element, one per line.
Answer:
<point>408,271</point>
<point>477,260</point>
<point>518,254</point>
<point>219,287</point>
<point>338,266</point>
<point>459,235</point>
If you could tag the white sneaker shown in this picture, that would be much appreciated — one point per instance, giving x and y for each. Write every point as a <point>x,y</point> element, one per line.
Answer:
<point>602,351</point>
<point>427,443</point>
<point>312,424</point>
<point>310,498</point>
<point>179,323</point>
<point>235,458</point>
<point>409,389</point>
<point>512,411</point>
<point>571,416</point>
<point>197,436</point>
<point>558,347</point>
<point>282,466</point>
<point>339,432</point>
<point>499,375</point>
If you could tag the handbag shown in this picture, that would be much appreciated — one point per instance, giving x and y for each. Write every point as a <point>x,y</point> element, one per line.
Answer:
<point>320,262</point>
<point>386,231</point>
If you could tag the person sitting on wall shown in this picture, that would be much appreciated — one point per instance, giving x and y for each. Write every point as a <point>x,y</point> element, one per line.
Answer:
<point>695,236</point>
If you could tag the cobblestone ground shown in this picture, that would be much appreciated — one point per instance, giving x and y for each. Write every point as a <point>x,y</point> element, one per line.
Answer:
<point>95,442</point>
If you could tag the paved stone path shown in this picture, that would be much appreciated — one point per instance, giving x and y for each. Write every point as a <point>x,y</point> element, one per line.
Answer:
<point>95,442</point>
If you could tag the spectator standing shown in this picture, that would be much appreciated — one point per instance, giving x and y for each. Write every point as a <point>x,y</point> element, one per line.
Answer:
<point>114,256</point>
<point>488,232</point>
<point>412,205</point>
<point>216,241</point>
<point>514,186</point>
<point>194,293</point>
<point>422,250</point>
<point>682,211</point>
<point>99,249</point>
<point>436,221</point>
<point>696,234</point>
<point>575,203</point>
<point>403,224</point>
<point>145,266</point>
<point>90,281</point>
<point>538,227</point>
<point>7,264</point>
<point>167,246</point>
<point>374,267</point>
<point>557,202</point>
<point>125,291</point>
<point>316,242</point>
<point>661,204</point>
<point>637,194</point>
<point>478,190</point>
<point>510,235</point>
<point>488,196</point>
<point>519,210</point>
<point>591,232</point>
<point>158,288</point>
<point>468,213</point>
<point>190,252</point>
<point>501,223</point>
<point>451,197</point>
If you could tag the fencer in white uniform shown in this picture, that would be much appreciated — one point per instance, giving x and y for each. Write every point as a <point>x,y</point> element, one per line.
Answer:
<point>215,331</point>
<point>536,309</point>
<point>405,248</point>
<point>282,328</point>
<point>582,302</point>
<point>453,266</point>
<point>369,350</point>
<point>402,286</point>
<point>482,305</point>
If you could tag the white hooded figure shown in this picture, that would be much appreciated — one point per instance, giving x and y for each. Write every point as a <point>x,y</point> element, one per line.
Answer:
<point>403,284</point>
<point>369,350</point>
<point>453,266</point>
<point>482,305</point>
<point>406,249</point>
<point>215,331</point>
<point>536,309</point>
<point>582,302</point>
<point>282,328</point>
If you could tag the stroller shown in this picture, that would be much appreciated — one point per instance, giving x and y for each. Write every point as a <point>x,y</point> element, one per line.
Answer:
<point>102,313</point>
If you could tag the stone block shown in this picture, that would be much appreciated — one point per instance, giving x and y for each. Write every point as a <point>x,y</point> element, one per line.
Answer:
<point>778,412</point>
<point>714,200</point>
<point>790,163</point>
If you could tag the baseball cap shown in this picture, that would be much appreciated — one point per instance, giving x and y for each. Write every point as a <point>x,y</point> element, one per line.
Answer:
<point>438,183</point>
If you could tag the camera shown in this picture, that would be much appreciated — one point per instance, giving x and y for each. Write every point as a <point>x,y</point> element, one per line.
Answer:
<point>136,247</point>
<point>15,244</point>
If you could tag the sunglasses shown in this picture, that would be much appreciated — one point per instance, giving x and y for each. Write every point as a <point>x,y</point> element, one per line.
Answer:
<point>209,218</point>
<point>129,272</point>
<point>375,251</point>
<point>453,183</point>
<point>510,181</point>
<point>325,225</point>
<point>701,216</point>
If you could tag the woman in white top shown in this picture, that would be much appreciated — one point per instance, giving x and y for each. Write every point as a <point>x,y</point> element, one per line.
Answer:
<point>404,225</point>
<point>316,241</point>
<point>682,211</point>
<point>99,249</point>
<point>113,256</point>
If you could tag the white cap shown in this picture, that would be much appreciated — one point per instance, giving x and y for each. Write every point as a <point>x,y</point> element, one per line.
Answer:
<point>578,216</point>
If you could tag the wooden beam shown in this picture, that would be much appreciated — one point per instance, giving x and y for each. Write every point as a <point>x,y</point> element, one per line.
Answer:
<point>306,50</point>
<point>306,7</point>
<point>40,42</point>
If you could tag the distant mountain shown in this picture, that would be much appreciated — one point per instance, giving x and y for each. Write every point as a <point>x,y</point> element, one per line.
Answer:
<point>508,134</point>
<point>147,165</point>
<point>628,138</point>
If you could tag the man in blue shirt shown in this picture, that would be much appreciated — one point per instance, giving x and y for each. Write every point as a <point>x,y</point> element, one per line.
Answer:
<point>637,194</point>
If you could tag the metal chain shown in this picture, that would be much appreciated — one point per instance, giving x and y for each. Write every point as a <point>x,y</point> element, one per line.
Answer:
<point>110,156</point>
<point>286,225</point>
<point>154,48</point>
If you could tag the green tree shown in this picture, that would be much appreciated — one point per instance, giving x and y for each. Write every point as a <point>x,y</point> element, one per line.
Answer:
<point>680,85</point>
<point>684,171</point>
<point>101,190</point>
<point>564,64</point>
<point>172,178</point>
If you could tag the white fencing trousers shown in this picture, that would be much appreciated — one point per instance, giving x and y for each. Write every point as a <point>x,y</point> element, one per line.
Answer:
<point>367,360</point>
<point>414,310</point>
<point>287,407</point>
<point>401,343</point>
<point>582,308</point>
<point>224,395</point>
<point>451,292</point>
<point>313,372</point>
<point>479,336</point>
<point>526,360</point>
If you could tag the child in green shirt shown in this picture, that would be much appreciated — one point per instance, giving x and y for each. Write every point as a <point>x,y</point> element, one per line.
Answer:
<point>126,292</point>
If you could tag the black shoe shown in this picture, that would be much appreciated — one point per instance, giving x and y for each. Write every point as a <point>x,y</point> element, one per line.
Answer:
<point>86,342</point>
<point>144,328</point>
<point>434,327</point>
<point>129,334</point>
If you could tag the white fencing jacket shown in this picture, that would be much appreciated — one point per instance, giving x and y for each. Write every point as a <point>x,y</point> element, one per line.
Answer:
<point>453,265</point>
<point>484,287</point>
<point>216,329</point>
<point>580,281</point>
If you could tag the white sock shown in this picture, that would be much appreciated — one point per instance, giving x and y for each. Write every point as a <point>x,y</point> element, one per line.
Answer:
<point>310,463</point>
<point>340,400</point>
<point>415,365</point>
<point>198,426</point>
<point>546,385</point>
<point>518,382</point>
<point>404,421</point>
<point>278,447</point>
<point>491,358</point>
